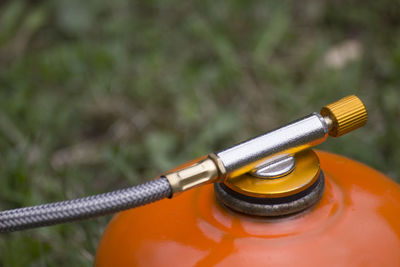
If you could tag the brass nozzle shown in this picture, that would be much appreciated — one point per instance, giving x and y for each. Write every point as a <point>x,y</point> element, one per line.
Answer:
<point>347,114</point>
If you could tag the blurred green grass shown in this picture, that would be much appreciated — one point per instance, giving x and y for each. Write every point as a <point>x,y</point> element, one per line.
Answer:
<point>99,95</point>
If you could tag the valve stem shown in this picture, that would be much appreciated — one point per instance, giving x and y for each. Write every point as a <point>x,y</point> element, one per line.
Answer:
<point>336,119</point>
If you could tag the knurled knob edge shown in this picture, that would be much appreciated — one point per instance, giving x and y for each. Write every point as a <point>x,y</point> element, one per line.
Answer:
<point>347,114</point>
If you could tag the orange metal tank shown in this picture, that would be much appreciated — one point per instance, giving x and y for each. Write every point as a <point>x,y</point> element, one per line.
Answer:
<point>356,223</point>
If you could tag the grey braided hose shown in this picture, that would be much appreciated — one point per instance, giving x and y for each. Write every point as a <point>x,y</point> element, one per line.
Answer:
<point>84,208</point>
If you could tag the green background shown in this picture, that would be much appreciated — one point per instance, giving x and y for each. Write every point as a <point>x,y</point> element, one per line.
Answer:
<point>100,95</point>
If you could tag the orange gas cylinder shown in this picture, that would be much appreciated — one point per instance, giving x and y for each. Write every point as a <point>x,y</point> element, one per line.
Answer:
<point>355,223</point>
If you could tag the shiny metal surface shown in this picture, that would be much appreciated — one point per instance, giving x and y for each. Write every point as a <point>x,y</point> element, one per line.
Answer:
<point>275,168</point>
<point>302,177</point>
<point>202,172</point>
<point>287,140</point>
<point>328,122</point>
<point>347,114</point>
<point>267,208</point>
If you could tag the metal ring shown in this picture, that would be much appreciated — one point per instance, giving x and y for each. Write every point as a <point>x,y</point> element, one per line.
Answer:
<point>270,206</point>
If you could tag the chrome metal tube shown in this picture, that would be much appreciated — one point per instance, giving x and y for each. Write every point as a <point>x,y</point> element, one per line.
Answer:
<point>287,140</point>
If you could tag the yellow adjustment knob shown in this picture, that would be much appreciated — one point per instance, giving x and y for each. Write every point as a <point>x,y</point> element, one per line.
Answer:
<point>347,114</point>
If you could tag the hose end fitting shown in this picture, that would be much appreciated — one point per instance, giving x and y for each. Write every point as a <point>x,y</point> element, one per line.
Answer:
<point>202,172</point>
<point>345,115</point>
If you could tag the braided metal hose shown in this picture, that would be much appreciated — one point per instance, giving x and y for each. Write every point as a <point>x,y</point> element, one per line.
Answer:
<point>84,208</point>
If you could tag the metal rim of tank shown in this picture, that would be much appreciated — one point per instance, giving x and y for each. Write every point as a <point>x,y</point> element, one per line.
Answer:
<point>270,207</point>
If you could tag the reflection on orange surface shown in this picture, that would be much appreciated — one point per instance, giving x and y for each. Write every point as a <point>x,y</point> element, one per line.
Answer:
<point>356,223</point>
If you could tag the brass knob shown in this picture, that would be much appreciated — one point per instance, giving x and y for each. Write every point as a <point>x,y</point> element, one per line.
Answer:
<point>347,114</point>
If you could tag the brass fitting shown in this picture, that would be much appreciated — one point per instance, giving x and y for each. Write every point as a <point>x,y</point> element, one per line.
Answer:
<point>203,172</point>
<point>305,174</point>
<point>346,115</point>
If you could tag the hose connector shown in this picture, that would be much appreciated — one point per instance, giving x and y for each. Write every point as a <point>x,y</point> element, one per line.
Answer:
<point>205,171</point>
